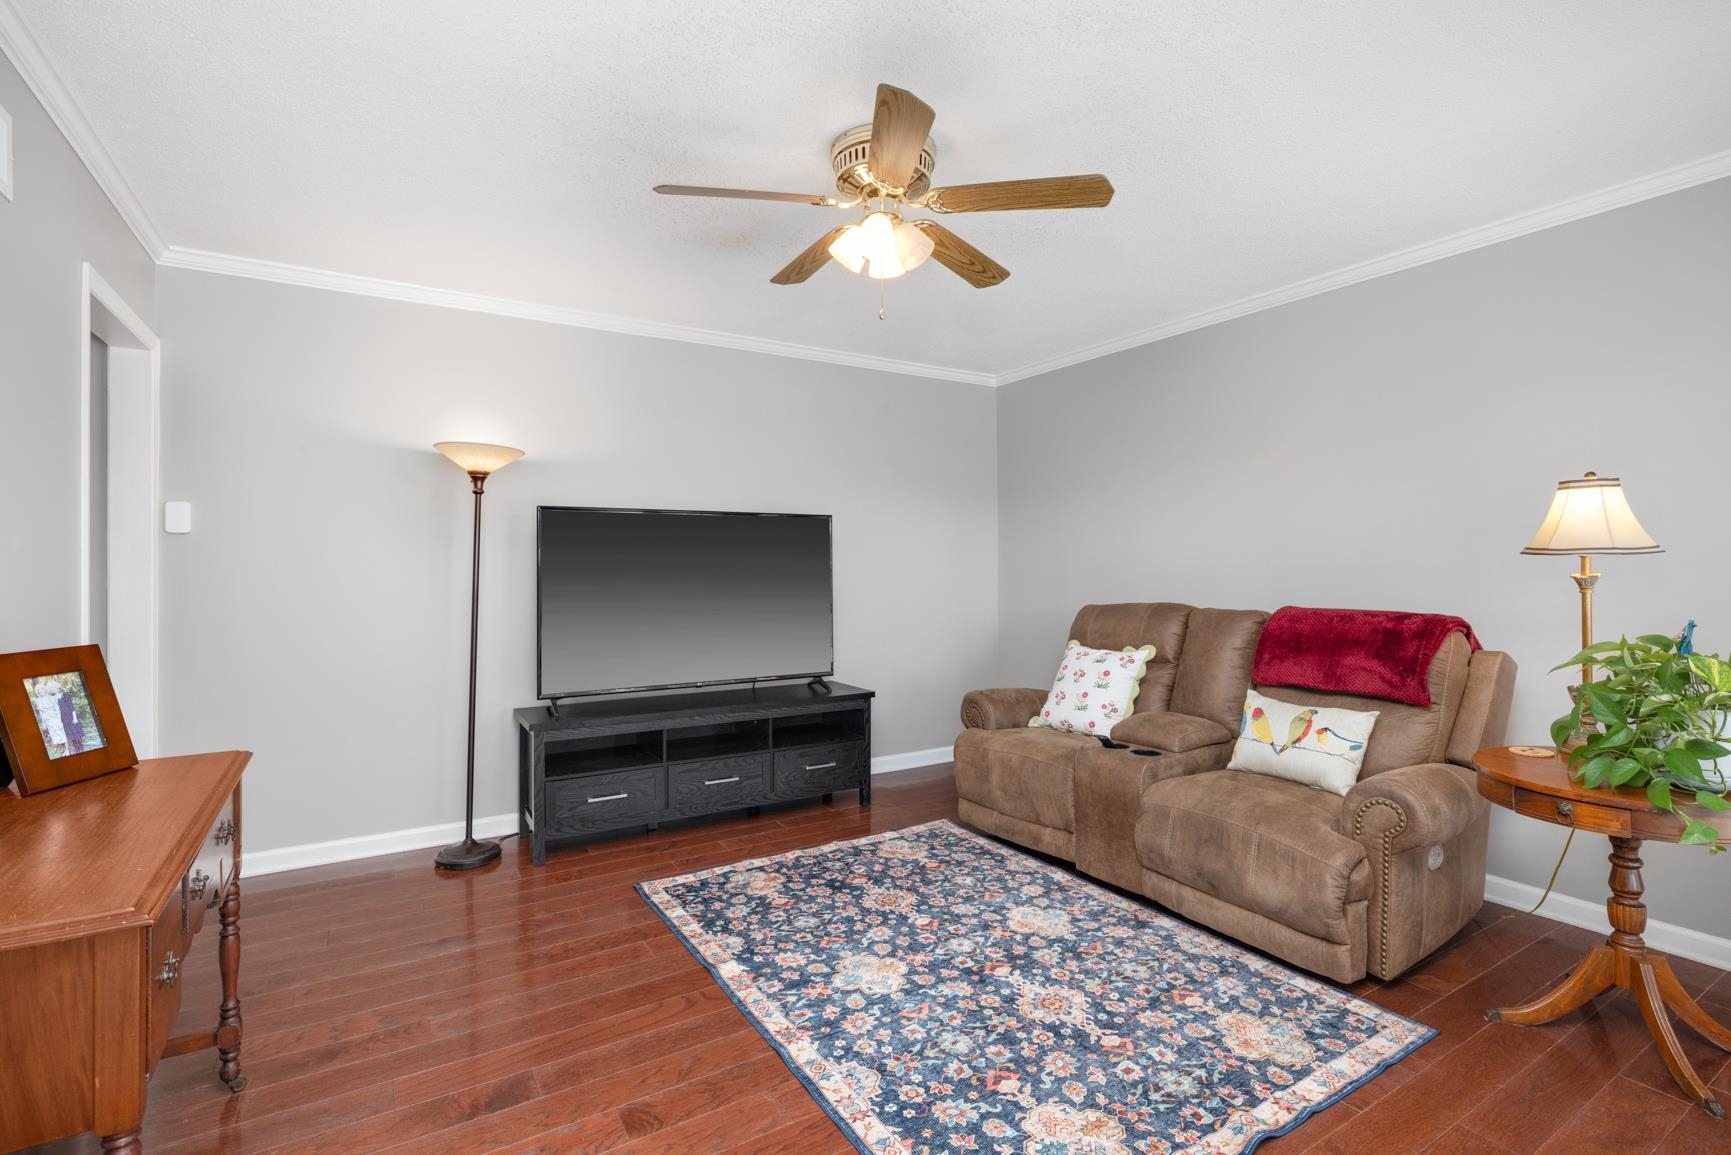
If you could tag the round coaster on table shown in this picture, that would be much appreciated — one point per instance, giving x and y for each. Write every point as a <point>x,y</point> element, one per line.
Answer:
<point>1533,751</point>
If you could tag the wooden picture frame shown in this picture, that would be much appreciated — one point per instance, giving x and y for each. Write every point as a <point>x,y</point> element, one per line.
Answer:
<point>59,719</point>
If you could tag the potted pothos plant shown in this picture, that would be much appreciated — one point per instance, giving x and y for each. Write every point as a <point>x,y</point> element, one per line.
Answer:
<point>1661,714</point>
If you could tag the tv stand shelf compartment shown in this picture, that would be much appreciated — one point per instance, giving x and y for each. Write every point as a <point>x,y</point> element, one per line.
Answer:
<point>606,764</point>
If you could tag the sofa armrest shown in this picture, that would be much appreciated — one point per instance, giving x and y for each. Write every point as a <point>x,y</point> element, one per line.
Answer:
<point>1169,732</point>
<point>1424,805</point>
<point>1000,709</point>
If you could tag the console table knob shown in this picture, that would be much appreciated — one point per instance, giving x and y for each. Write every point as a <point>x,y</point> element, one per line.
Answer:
<point>1566,811</point>
<point>170,970</point>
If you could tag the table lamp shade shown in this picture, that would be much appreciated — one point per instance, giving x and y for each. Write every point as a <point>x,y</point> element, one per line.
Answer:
<point>477,457</point>
<point>1590,515</point>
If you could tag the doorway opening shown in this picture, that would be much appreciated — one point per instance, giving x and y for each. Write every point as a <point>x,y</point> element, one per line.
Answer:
<point>120,483</point>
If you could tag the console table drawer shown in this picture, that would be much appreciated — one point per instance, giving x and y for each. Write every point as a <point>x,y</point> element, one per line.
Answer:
<point>605,801</point>
<point>807,770</point>
<point>212,870</point>
<point>1581,815</point>
<point>719,783</point>
<point>169,943</point>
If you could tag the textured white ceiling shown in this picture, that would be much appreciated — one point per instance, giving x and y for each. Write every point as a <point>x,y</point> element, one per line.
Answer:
<point>509,149</point>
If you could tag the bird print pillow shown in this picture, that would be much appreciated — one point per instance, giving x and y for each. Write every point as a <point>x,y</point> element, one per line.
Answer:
<point>1094,689</point>
<point>1310,744</point>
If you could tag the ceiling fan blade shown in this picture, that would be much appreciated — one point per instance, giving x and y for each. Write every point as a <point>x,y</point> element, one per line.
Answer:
<point>900,124</point>
<point>961,258</point>
<point>810,261</point>
<point>1052,192</point>
<point>743,194</point>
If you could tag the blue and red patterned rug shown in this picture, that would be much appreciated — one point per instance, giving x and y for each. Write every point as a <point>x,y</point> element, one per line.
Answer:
<point>937,991</point>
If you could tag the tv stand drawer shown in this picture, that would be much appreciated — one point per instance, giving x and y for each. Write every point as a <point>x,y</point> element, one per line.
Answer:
<point>719,783</point>
<point>588,802</point>
<point>807,770</point>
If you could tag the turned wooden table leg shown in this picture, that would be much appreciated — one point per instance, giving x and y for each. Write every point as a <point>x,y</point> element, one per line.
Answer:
<point>127,1143</point>
<point>228,1017</point>
<point>1623,960</point>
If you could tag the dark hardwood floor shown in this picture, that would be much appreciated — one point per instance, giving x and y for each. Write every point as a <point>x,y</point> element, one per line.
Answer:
<point>392,1008</point>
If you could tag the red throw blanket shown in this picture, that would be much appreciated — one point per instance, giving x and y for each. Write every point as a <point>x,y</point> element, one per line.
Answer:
<point>1373,653</point>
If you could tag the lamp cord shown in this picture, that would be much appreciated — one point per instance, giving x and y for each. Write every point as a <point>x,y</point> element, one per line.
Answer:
<point>1555,870</point>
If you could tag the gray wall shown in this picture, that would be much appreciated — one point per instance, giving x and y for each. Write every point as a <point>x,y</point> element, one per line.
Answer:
<point>318,612</point>
<point>59,218</point>
<point>1394,445</point>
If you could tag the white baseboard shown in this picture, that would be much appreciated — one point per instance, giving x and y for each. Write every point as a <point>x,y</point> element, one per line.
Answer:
<point>1666,937</point>
<point>890,763</point>
<point>257,862</point>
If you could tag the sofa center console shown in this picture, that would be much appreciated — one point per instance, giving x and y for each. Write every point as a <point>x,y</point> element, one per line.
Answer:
<point>607,764</point>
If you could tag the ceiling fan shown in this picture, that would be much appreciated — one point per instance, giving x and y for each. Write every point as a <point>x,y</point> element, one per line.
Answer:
<point>885,167</point>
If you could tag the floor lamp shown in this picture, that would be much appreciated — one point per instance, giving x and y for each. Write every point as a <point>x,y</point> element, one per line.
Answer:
<point>1589,515</point>
<point>479,462</point>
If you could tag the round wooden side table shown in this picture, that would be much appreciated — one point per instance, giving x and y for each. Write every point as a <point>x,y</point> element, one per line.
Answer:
<point>1540,787</point>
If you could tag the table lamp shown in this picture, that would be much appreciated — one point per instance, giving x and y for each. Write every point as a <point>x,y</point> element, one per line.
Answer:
<point>1588,516</point>
<point>479,461</point>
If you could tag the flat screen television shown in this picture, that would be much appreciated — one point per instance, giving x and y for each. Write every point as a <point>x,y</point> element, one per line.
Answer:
<point>651,599</point>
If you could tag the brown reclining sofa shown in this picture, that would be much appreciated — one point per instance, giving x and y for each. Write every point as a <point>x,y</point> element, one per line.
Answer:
<point>1371,882</point>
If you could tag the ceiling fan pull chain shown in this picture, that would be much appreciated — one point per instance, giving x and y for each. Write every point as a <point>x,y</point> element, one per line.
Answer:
<point>881,285</point>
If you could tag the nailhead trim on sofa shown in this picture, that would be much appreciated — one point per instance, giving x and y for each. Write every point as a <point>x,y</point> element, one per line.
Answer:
<point>1388,837</point>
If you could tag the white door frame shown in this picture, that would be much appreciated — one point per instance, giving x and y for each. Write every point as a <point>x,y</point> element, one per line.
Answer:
<point>135,356</point>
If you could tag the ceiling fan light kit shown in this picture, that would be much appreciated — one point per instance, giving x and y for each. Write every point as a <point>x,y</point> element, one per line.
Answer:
<point>883,245</point>
<point>890,161</point>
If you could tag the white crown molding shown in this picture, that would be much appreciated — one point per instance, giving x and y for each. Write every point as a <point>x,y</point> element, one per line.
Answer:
<point>1668,937</point>
<point>223,263</point>
<point>1632,192</point>
<point>39,74</point>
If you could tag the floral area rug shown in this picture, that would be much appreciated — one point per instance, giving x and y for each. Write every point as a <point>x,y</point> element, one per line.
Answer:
<point>937,991</point>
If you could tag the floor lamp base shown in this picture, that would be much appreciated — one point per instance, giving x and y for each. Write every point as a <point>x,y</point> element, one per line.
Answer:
<point>467,854</point>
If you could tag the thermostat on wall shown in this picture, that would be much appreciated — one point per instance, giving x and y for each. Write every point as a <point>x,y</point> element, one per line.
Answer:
<point>177,517</point>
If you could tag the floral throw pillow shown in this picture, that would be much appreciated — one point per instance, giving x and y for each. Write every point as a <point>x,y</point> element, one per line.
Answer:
<point>1310,744</point>
<point>1093,689</point>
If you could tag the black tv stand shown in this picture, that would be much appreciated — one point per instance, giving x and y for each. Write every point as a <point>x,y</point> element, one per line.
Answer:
<point>613,763</point>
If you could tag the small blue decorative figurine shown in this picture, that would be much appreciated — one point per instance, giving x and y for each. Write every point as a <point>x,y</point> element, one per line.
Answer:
<point>1686,639</point>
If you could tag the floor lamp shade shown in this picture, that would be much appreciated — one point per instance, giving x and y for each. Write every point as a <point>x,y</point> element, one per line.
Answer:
<point>474,457</point>
<point>479,461</point>
<point>1589,515</point>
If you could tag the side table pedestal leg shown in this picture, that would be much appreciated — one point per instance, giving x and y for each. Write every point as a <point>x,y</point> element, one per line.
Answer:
<point>1592,977</point>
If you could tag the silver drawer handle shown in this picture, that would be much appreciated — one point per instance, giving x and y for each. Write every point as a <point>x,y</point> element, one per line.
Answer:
<point>170,970</point>
<point>823,766</point>
<point>720,781</point>
<point>200,880</point>
<point>608,798</point>
<point>224,833</point>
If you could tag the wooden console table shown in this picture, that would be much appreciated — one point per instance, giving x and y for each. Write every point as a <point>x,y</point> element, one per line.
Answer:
<point>103,885</point>
<point>1540,787</point>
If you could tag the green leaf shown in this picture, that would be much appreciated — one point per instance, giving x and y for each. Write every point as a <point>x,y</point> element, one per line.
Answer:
<point>1595,772</point>
<point>1680,762</point>
<point>1711,670</point>
<point>1706,750</point>
<point>1699,833</point>
<point>1624,771</point>
<point>1657,641</point>
<point>1620,736</point>
<point>1711,801</point>
<point>1560,731</point>
<point>1606,707</point>
<point>1659,793</point>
